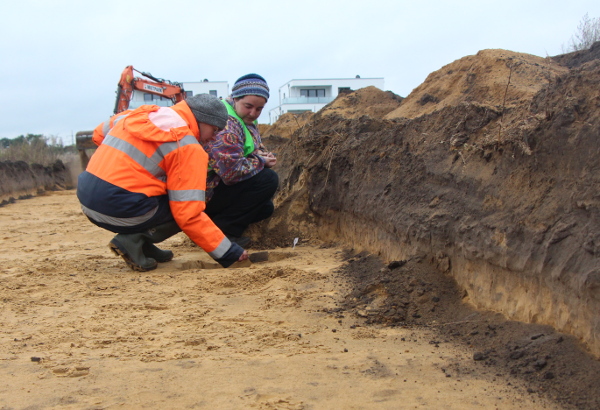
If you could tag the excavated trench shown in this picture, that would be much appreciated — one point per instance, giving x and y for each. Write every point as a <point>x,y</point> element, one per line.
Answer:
<point>494,205</point>
<point>504,225</point>
<point>505,201</point>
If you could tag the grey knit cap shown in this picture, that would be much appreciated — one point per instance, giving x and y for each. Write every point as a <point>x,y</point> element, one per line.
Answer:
<point>208,109</point>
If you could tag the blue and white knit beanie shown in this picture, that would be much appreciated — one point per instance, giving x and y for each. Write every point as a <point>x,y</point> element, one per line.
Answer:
<point>250,84</point>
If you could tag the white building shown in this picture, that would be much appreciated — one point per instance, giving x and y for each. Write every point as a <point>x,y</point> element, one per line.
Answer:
<point>298,96</point>
<point>216,88</point>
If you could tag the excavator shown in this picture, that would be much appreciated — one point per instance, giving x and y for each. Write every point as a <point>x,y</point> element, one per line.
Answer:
<point>128,83</point>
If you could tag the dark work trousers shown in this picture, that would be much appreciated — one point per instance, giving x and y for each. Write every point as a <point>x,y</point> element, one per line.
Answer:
<point>163,215</point>
<point>233,207</point>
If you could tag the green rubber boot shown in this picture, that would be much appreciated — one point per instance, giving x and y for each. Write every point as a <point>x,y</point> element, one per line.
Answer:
<point>156,235</point>
<point>129,247</point>
<point>159,255</point>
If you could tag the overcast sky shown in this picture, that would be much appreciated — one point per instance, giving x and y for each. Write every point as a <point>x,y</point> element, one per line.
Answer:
<point>61,59</point>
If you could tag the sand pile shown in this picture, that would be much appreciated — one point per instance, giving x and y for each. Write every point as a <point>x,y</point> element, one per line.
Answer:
<point>369,101</point>
<point>496,78</point>
<point>285,125</point>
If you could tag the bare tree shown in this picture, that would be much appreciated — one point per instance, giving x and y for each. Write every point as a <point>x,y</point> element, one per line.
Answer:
<point>588,32</point>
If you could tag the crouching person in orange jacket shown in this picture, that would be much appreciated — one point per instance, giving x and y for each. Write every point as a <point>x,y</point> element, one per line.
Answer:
<point>147,181</point>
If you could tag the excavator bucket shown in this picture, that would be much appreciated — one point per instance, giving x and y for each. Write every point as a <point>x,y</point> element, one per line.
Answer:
<point>83,141</point>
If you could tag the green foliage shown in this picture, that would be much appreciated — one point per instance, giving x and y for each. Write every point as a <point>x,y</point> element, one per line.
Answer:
<point>588,32</point>
<point>33,149</point>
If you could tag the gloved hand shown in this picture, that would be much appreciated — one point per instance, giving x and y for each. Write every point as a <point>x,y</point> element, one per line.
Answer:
<point>234,254</point>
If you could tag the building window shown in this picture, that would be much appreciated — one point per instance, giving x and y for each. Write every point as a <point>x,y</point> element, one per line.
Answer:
<point>342,90</point>
<point>312,92</point>
<point>147,97</point>
<point>213,92</point>
<point>189,94</point>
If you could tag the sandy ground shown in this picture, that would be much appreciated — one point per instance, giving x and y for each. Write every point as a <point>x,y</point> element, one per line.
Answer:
<point>79,330</point>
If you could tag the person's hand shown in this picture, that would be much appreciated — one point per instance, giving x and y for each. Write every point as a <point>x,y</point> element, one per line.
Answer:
<point>270,159</point>
<point>243,256</point>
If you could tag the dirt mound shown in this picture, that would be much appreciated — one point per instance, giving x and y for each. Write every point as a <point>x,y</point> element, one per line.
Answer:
<point>506,199</point>
<point>577,58</point>
<point>495,78</point>
<point>275,135</point>
<point>20,180</point>
<point>285,125</point>
<point>369,101</point>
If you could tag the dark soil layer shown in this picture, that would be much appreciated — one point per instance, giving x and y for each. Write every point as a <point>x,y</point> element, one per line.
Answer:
<point>414,294</point>
<point>19,180</point>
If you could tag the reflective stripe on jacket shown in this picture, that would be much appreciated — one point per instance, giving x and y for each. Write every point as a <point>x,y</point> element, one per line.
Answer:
<point>151,152</point>
<point>101,130</point>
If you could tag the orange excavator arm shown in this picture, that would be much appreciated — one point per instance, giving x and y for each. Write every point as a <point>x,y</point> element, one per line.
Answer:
<point>157,86</point>
<point>128,83</point>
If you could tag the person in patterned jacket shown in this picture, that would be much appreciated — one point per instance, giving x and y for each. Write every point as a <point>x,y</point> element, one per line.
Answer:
<point>241,182</point>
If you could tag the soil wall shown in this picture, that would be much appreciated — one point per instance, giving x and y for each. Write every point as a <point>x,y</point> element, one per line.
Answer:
<point>19,179</point>
<point>504,198</point>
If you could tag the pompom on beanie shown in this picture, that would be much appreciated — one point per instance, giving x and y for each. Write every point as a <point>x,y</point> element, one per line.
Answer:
<point>208,109</point>
<point>250,84</point>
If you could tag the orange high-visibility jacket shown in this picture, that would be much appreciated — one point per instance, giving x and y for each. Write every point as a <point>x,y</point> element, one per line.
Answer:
<point>150,152</point>
<point>101,130</point>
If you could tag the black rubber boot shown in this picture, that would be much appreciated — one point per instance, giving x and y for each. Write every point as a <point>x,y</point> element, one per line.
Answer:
<point>129,247</point>
<point>156,235</point>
